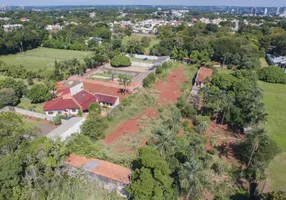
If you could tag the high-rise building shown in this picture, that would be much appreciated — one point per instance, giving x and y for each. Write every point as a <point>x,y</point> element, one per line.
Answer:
<point>265,11</point>
<point>253,11</point>
<point>278,11</point>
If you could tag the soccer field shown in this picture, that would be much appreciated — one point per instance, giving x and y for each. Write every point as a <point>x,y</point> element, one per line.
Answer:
<point>42,57</point>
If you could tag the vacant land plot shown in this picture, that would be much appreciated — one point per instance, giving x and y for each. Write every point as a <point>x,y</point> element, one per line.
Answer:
<point>169,90</point>
<point>275,100</point>
<point>133,125</point>
<point>42,57</point>
<point>154,41</point>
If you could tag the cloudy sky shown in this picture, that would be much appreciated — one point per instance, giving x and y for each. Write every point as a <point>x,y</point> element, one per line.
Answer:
<point>273,3</point>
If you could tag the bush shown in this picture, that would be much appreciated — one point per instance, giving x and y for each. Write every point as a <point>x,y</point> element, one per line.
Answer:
<point>272,74</point>
<point>120,61</point>
<point>94,108</point>
<point>149,80</point>
<point>202,123</point>
<point>57,120</point>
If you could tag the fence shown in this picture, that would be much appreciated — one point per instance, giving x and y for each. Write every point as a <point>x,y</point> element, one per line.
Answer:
<point>26,112</point>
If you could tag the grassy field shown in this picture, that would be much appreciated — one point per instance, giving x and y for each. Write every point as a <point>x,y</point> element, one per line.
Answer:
<point>26,104</point>
<point>275,100</point>
<point>154,41</point>
<point>42,57</point>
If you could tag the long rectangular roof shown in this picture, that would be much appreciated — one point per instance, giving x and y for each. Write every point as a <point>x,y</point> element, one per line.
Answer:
<point>101,167</point>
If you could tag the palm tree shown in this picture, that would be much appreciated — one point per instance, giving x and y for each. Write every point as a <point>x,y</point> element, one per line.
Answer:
<point>165,141</point>
<point>124,80</point>
<point>193,177</point>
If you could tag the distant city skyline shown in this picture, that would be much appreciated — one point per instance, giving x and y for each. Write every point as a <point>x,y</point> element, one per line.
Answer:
<point>269,3</point>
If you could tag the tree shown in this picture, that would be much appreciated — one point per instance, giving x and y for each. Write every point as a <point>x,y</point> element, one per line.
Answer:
<point>94,127</point>
<point>120,61</point>
<point>200,58</point>
<point>94,109</point>
<point>193,177</point>
<point>149,80</point>
<point>134,46</point>
<point>19,87</point>
<point>39,93</point>
<point>124,80</point>
<point>8,97</point>
<point>146,41</point>
<point>165,141</point>
<point>12,132</point>
<point>272,74</point>
<point>10,175</point>
<point>151,177</point>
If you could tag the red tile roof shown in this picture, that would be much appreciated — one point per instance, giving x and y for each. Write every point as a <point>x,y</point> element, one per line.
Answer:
<point>60,104</point>
<point>203,74</point>
<point>96,88</point>
<point>106,98</point>
<point>103,168</point>
<point>62,92</point>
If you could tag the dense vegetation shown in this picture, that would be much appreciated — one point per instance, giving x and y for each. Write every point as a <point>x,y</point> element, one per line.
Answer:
<point>272,74</point>
<point>168,166</point>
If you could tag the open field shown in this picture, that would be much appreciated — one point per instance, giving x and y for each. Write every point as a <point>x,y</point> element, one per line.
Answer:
<point>275,100</point>
<point>154,41</point>
<point>42,57</point>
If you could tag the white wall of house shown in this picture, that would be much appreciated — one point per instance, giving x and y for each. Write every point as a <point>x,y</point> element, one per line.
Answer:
<point>53,113</point>
<point>76,89</point>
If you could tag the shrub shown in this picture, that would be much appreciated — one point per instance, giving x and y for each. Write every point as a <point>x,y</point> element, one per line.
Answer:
<point>57,120</point>
<point>149,80</point>
<point>202,123</point>
<point>272,74</point>
<point>120,61</point>
<point>94,108</point>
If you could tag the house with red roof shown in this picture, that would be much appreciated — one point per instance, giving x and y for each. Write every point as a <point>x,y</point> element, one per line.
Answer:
<point>73,98</point>
<point>108,175</point>
<point>202,75</point>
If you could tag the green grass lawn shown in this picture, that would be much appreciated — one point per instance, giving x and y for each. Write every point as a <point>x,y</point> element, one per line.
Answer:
<point>42,57</point>
<point>275,101</point>
<point>154,41</point>
<point>26,104</point>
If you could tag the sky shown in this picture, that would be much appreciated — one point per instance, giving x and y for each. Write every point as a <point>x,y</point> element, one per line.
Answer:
<point>273,3</point>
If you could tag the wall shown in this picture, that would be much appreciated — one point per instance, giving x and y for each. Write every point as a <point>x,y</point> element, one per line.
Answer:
<point>67,112</point>
<point>76,89</point>
<point>144,56</point>
<point>26,112</point>
<point>142,64</point>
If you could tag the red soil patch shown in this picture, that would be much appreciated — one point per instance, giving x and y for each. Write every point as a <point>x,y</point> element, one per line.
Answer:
<point>169,90</point>
<point>131,125</point>
<point>224,138</point>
